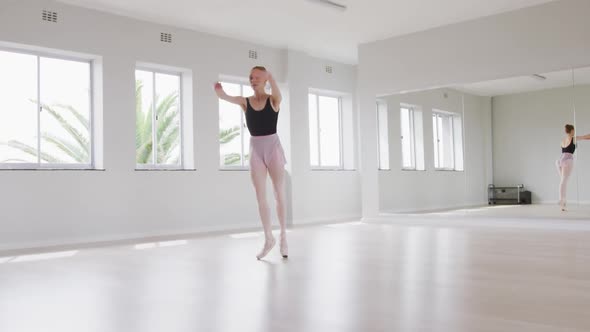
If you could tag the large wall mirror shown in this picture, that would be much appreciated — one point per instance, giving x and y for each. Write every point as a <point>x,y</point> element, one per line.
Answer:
<point>513,146</point>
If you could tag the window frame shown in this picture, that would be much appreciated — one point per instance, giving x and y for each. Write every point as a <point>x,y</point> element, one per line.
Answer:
<point>452,117</point>
<point>340,165</point>
<point>413,154</point>
<point>155,166</point>
<point>38,54</point>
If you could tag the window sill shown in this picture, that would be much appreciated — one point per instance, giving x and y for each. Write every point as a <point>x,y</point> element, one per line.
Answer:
<point>230,169</point>
<point>413,170</point>
<point>334,169</point>
<point>54,169</point>
<point>165,169</point>
<point>447,170</point>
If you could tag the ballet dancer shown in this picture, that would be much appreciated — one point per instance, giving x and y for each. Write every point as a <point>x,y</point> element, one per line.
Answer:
<point>565,163</point>
<point>266,152</point>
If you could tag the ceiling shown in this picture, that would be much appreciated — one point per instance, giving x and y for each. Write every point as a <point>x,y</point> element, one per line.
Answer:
<point>520,84</point>
<point>306,25</point>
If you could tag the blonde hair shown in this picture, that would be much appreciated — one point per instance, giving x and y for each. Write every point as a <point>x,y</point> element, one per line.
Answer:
<point>259,68</point>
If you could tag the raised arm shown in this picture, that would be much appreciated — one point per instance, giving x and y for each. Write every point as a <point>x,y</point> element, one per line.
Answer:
<point>238,100</point>
<point>586,137</point>
<point>275,96</point>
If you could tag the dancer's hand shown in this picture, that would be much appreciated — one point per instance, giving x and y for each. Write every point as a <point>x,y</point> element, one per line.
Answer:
<point>217,86</point>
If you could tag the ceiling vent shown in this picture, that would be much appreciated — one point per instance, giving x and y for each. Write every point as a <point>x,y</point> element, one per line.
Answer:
<point>165,37</point>
<point>49,16</point>
<point>252,54</point>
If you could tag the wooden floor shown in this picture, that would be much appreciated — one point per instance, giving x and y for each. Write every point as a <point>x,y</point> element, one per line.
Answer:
<point>474,271</point>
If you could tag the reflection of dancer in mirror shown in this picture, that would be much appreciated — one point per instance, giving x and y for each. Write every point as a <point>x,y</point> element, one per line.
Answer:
<point>565,164</point>
<point>266,153</point>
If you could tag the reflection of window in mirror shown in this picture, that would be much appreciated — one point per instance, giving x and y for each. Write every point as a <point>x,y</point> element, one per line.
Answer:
<point>412,138</point>
<point>382,135</point>
<point>448,140</point>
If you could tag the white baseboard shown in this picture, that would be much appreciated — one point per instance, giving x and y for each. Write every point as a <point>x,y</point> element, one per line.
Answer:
<point>319,221</point>
<point>438,208</point>
<point>155,236</point>
<point>129,238</point>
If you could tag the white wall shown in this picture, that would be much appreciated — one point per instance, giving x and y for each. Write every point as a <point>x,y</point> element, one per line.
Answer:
<point>478,149</point>
<point>57,207</point>
<point>528,128</point>
<point>404,191</point>
<point>549,37</point>
<point>314,191</point>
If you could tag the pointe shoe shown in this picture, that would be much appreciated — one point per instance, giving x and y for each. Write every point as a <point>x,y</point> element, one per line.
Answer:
<point>268,245</point>
<point>562,205</point>
<point>284,247</point>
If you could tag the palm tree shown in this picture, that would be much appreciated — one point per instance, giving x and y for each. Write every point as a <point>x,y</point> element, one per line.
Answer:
<point>76,147</point>
<point>167,131</point>
<point>226,136</point>
<point>77,144</point>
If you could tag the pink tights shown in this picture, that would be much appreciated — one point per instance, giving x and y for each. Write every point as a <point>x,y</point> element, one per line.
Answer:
<point>267,157</point>
<point>565,165</point>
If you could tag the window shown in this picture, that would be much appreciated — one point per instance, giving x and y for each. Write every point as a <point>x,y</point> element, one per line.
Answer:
<point>412,138</point>
<point>383,135</point>
<point>234,136</point>
<point>325,128</point>
<point>448,141</point>
<point>158,120</point>
<point>45,118</point>
<point>408,138</point>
